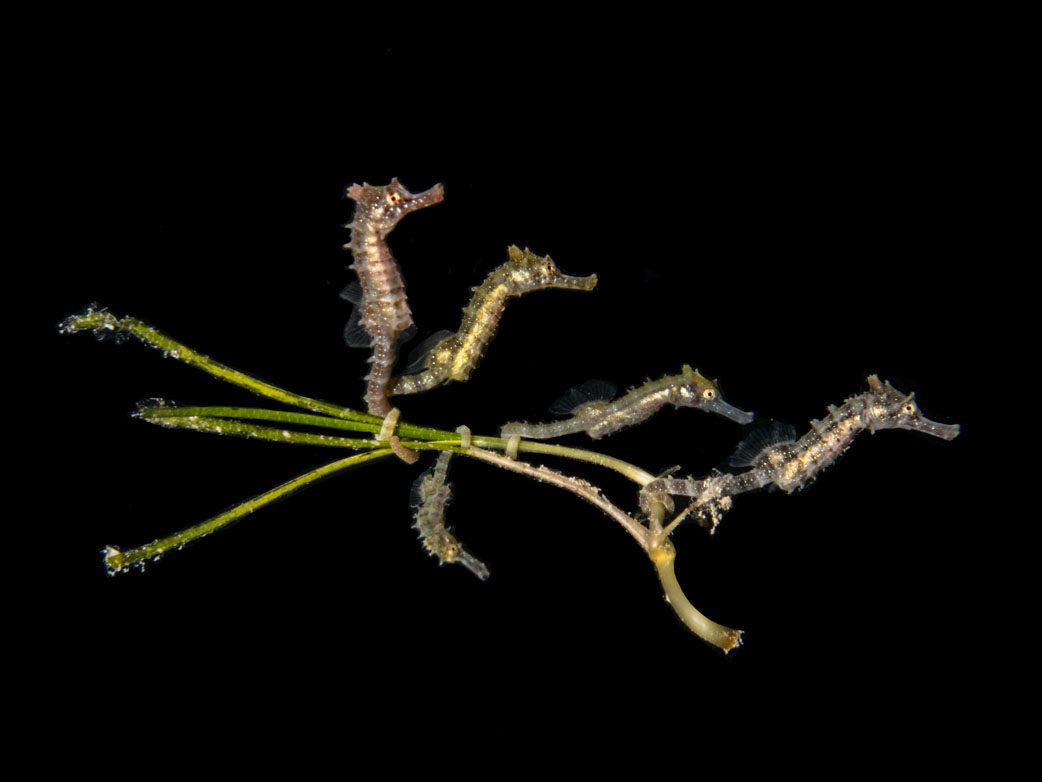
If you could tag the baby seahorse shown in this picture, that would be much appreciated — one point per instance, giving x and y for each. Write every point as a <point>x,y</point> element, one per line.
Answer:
<point>431,494</point>
<point>447,356</point>
<point>382,316</point>
<point>593,412</point>
<point>789,463</point>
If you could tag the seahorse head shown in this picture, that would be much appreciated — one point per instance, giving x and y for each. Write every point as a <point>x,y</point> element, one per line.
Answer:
<point>888,408</point>
<point>693,389</point>
<point>383,206</point>
<point>531,272</point>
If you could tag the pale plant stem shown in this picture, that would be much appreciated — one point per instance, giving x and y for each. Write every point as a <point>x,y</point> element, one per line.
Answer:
<point>679,518</point>
<point>117,561</point>
<point>576,486</point>
<point>663,555</point>
<point>652,540</point>
<point>723,637</point>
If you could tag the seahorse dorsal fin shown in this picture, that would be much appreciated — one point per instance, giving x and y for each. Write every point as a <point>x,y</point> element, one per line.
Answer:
<point>761,439</point>
<point>416,497</point>
<point>417,360</point>
<point>355,334</point>
<point>352,293</point>
<point>590,392</point>
<point>416,490</point>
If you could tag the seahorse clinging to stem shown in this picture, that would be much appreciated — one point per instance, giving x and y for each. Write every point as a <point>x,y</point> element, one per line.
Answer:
<point>431,495</point>
<point>448,356</point>
<point>593,412</point>
<point>791,463</point>
<point>382,316</point>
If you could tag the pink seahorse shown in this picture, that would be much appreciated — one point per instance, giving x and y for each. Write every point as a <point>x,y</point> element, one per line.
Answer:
<point>382,316</point>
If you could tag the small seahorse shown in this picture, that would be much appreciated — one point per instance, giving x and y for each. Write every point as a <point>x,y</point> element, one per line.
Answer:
<point>790,463</point>
<point>593,412</point>
<point>382,314</point>
<point>448,356</point>
<point>431,494</point>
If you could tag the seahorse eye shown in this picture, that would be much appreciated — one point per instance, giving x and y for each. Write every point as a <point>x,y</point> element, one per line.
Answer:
<point>908,409</point>
<point>709,394</point>
<point>394,198</point>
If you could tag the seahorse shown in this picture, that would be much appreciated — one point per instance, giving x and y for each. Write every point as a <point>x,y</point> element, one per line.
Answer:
<point>593,412</point>
<point>448,356</point>
<point>431,495</point>
<point>779,459</point>
<point>382,316</point>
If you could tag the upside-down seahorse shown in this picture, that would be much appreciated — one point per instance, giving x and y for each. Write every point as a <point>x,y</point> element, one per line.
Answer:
<point>789,463</point>
<point>448,356</point>
<point>382,314</point>
<point>593,412</point>
<point>431,495</point>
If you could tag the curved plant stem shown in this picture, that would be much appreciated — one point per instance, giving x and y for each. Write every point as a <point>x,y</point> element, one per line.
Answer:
<point>659,549</point>
<point>576,486</point>
<point>663,556</point>
<point>119,561</point>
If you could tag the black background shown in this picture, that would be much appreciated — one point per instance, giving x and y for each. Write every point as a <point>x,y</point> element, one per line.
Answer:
<point>788,223</point>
